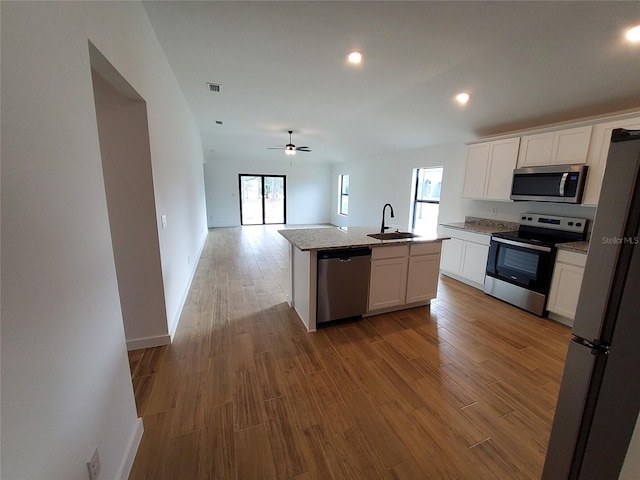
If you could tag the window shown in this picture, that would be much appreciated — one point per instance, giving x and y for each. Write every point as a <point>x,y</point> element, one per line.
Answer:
<point>426,199</point>
<point>343,200</point>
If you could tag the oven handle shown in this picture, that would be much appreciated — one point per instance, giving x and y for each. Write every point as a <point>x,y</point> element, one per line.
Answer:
<point>520,244</point>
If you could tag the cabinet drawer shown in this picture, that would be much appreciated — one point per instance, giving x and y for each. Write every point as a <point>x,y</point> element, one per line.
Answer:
<point>573,258</point>
<point>378,253</point>
<point>425,248</point>
<point>481,238</point>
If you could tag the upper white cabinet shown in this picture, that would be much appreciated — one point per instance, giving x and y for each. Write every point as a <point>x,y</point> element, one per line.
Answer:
<point>597,158</point>
<point>489,169</point>
<point>555,148</point>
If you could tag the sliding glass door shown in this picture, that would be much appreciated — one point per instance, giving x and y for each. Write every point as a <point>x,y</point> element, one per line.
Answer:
<point>262,199</point>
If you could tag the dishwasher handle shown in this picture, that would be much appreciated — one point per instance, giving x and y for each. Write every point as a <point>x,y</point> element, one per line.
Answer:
<point>344,254</point>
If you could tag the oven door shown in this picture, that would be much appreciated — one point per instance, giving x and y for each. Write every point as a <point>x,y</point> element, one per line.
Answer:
<point>527,265</point>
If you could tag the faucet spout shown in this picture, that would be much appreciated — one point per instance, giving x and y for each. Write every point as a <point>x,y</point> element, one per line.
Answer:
<point>383,227</point>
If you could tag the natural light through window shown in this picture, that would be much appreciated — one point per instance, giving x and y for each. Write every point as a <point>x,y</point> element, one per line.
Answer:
<point>343,200</point>
<point>426,199</point>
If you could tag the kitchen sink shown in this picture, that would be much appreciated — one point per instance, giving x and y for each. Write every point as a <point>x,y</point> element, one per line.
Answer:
<point>392,235</point>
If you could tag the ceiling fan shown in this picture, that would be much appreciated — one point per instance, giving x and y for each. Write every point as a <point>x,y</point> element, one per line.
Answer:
<point>290,148</point>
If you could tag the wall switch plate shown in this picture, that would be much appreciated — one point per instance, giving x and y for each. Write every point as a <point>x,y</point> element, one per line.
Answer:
<point>94,465</point>
<point>163,219</point>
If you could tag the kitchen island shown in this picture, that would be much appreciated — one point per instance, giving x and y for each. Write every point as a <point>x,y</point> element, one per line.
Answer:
<point>404,271</point>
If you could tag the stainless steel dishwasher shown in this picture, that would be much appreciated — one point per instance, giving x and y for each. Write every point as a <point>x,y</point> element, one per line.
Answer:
<point>343,283</point>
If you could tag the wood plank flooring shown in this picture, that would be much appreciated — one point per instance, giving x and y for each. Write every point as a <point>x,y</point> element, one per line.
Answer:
<point>463,389</point>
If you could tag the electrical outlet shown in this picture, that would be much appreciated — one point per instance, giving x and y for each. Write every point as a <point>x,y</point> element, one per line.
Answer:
<point>94,465</point>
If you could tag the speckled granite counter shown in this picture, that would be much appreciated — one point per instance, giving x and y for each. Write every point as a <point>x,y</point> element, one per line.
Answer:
<point>306,239</point>
<point>482,225</point>
<point>581,247</point>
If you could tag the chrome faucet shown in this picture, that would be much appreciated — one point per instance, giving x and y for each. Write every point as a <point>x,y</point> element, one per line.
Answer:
<point>383,227</point>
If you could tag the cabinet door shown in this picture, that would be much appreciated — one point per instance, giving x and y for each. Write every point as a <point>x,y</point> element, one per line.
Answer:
<point>475,172</point>
<point>502,161</point>
<point>571,145</point>
<point>422,282</point>
<point>565,289</point>
<point>388,284</point>
<point>474,262</point>
<point>597,157</point>
<point>451,257</point>
<point>536,149</point>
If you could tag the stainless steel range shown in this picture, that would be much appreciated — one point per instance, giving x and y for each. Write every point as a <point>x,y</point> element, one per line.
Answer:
<point>520,262</point>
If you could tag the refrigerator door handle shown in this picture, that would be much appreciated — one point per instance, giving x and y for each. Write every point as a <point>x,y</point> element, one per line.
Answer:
<point>598,347</point>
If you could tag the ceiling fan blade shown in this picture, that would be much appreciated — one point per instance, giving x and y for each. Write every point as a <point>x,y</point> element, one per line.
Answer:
<point>275,148</point>
<point>303,149</point>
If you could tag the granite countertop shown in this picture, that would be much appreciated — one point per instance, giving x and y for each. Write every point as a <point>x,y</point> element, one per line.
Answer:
<point>581,247</point>
<point>327,238</point>
<point>482,225</point>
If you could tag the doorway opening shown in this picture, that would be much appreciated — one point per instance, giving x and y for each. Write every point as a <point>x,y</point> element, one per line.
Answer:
<point>262,199</point>
<point>123,134</point>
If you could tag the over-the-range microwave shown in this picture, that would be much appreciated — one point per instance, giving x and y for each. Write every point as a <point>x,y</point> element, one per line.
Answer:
<point>549,183</point>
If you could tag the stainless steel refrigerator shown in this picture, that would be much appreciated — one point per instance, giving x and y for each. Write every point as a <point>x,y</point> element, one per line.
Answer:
<point>599,396</point>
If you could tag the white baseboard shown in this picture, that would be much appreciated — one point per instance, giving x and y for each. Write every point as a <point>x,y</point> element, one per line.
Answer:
<point>148,342</point>
<point>176,319</point>
<point>132,449</point>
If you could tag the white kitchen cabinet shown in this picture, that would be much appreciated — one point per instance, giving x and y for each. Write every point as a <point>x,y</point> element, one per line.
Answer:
<point>565,285</point>
<point>464,256</point>
<point>489,169</point>
<point>597,157</point>
<point>424,269</point>
<point>475,171</point>
<point>568,146</point>
<point>388,283</point>
<point>404,275</point>
<point>474,262</point>
<point>451,255</point>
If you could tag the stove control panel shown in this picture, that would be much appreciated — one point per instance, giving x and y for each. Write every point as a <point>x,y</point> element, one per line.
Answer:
<point>554,222</point>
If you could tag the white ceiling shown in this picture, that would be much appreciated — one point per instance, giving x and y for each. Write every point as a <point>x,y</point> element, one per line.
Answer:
<point>282,65</point>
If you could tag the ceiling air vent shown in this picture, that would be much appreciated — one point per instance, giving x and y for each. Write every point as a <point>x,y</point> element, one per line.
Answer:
<point>213,87</point>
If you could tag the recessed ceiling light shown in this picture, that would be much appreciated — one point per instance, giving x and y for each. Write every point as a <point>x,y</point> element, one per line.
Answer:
<point>355,57</point>
<point>462,98</point>
<point>633,34</point>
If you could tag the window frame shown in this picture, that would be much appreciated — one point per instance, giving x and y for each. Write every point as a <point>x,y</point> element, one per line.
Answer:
<point>342,195</point>
<point>416,200</point>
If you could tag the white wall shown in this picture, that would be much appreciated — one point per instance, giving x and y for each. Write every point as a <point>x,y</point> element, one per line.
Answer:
<point>387,179</point>
<point>65,379</point>
<point>308,189</point>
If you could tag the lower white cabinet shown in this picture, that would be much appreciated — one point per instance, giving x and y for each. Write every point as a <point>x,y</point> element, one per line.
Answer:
<point>465,258</point>
<point>424,270</point>
<point>403,275</point>
<point>565,285</point>
<point>388,283</point>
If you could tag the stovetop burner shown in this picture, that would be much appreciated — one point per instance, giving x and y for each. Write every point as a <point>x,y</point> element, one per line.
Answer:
<point>547,230</point>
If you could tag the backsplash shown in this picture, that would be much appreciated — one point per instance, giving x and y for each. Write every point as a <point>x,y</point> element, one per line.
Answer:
<point>496,225</point>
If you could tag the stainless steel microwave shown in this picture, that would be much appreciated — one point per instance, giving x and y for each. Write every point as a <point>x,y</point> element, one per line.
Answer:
<point>549,183</point>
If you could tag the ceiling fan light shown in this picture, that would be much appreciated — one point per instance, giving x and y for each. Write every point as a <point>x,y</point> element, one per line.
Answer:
<point>290,150</point>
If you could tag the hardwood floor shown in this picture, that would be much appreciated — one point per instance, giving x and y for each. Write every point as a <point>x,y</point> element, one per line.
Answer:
<point>463,389</point>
